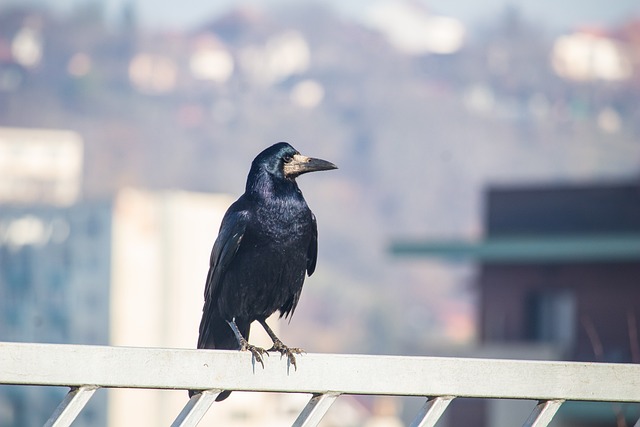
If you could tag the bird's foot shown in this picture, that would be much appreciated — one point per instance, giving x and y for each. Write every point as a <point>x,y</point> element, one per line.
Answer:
<point>290,352</point>
<point>256,351</point>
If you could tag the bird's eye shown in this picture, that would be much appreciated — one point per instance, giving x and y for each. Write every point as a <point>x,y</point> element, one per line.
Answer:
<point>287,158</point>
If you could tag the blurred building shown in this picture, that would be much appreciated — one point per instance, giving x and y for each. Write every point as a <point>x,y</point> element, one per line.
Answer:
<point>40,166</point>
<point>559,266</point>
<point>589,56</point>
<point>569,269</point>
<point>409,27</point>
<point>54,287</point>
<point>567,275</point>
<point>127,271</point>
<point>54,260</point>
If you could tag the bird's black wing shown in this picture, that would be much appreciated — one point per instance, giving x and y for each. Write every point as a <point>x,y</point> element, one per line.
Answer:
<point>312,255</point>
<point>312,251</point>
<point>224,250</point>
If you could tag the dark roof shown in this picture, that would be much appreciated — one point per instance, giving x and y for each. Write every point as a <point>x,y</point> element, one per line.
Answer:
<point>563,210</point>
<point>567,223</point>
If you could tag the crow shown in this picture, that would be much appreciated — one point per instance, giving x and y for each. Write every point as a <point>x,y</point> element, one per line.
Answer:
<point>268,241</point>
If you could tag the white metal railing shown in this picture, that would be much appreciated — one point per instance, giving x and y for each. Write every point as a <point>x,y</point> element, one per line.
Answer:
<point>326,376</point>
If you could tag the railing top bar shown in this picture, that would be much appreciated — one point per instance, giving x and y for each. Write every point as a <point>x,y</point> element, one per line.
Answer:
<point>76,365</point>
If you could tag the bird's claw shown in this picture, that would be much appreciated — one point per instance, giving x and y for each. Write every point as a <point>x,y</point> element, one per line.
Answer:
<point>290,352</point>
<point>256,352</point>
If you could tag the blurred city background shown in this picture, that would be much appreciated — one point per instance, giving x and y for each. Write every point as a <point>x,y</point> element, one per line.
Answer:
<point>487,201</point>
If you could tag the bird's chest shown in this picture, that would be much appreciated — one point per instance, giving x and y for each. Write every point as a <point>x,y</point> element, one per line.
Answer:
<point>285,225</point>
<point>278,248</point>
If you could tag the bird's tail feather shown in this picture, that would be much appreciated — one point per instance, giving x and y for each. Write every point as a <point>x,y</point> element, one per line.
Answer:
<point>215,333</point>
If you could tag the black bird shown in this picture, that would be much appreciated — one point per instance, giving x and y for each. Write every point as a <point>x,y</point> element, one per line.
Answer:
<point>267,242</point>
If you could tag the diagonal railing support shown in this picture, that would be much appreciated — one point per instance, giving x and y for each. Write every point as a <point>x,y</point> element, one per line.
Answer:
<point>431,411</point>
<point>317,407</point>
<point>195,409</point>
<point>543,413</point>
<point>70,407</point>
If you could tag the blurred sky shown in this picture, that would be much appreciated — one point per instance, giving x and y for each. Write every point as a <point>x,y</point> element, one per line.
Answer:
<point>558,15</point>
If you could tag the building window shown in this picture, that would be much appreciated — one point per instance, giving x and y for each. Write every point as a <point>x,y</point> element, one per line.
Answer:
<point>552,317</point>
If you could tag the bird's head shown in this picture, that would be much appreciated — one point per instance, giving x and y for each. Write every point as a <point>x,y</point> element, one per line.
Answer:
<point>283,161</point>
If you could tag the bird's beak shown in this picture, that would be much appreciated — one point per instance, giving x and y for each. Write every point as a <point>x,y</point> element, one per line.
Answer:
<point>302,164</point>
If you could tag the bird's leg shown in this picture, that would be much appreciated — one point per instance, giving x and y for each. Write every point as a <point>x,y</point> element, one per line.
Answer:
<point>257,352</point>
<point>290,352</point>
